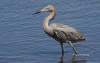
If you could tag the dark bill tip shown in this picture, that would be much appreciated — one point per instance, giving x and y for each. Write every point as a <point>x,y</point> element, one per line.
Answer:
<point>36,13</point>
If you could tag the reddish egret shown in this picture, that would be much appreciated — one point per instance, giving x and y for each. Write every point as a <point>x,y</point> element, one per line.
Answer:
<point>61,33</point>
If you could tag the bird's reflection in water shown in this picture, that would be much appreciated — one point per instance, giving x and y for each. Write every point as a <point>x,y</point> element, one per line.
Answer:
<point>74,59</point>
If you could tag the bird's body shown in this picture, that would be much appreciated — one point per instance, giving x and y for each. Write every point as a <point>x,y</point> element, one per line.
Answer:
<point>64,33</point>
<point>61,33</point>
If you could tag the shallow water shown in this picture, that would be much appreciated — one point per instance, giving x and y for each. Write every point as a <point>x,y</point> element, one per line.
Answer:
<point>22,39</point>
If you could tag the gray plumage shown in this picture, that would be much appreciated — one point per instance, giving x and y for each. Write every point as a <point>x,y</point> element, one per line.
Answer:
<point>61,33</point>
<point>65,33</point>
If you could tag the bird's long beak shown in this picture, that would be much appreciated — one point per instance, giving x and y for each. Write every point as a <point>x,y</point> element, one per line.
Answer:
<point>36,12</point>
<point>43,10</point>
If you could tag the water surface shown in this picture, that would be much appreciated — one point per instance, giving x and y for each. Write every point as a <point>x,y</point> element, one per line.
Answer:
<point>22,39</point>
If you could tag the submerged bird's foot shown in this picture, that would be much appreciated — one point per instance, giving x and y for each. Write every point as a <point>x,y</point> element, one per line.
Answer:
<point>76,52</point>
<point>62,55</point>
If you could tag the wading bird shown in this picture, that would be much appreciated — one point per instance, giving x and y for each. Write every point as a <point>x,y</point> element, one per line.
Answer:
<point>61,33</point>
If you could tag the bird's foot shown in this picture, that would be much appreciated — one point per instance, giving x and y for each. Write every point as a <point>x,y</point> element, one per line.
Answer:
<point>62,55</point>
<point>76,52</point>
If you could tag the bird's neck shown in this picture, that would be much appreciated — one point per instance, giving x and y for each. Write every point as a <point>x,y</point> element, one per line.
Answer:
<point>48,18</point>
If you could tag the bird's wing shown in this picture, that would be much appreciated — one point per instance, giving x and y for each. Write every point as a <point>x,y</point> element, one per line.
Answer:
<point>63,27</point>
<point>67,33</point>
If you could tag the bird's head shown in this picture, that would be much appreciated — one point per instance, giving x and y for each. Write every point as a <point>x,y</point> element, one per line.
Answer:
<point>48,8</point>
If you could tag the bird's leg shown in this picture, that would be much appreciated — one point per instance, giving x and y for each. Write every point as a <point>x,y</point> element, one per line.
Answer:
<point>72,47</point>
<point>62,50</point>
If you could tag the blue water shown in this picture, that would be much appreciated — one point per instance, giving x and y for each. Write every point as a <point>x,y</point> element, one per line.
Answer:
<point>22,39</point>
